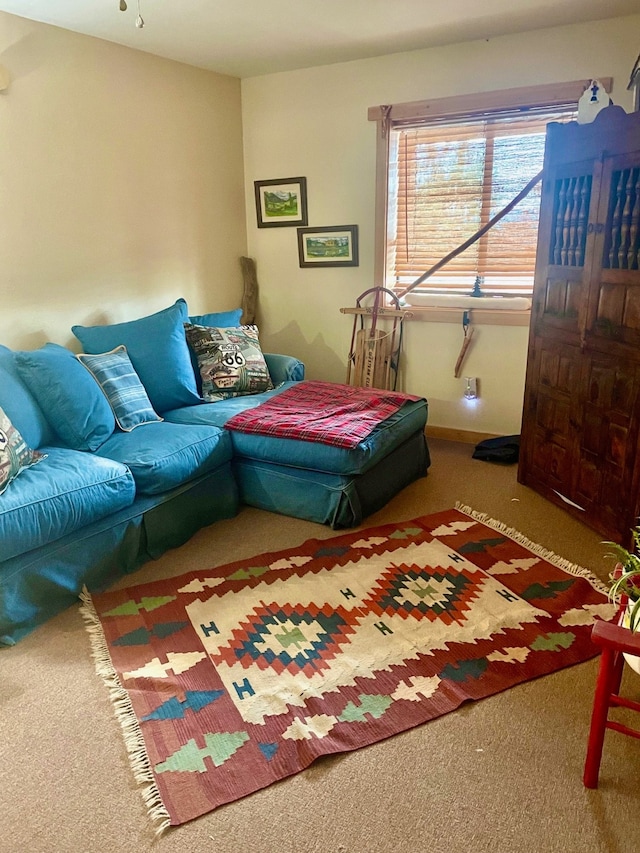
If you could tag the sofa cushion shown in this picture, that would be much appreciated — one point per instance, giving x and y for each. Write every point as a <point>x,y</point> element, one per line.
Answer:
<point>217,414</point>
<point>220,319</point>
<point>114,375</point>
<point>60,495</point>
<point>158,351</point>
<point>161,456</point>
<point>69,396</point>
<point>15,453</point>
<point>388,435</point>
<point>230,361</point>
<point>384,438</point>
<point>20,405</point>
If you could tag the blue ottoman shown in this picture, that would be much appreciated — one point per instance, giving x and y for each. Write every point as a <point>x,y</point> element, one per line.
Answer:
<point>319,482</point>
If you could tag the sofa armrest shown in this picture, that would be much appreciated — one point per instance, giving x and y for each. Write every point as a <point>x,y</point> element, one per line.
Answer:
<point>284,368</point>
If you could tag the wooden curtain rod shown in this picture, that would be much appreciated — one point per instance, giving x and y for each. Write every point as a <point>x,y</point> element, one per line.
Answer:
<point>522,97</point>
<point>475,236</point>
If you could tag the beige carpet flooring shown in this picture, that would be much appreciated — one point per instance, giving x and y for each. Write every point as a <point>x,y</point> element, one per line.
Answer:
<point>503,775</point>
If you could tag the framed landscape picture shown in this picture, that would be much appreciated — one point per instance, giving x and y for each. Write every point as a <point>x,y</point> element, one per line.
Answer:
<point>281,201</point>
<point>332,246</point>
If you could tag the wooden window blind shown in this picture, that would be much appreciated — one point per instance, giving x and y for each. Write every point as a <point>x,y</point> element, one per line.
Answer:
<point>446,179</point>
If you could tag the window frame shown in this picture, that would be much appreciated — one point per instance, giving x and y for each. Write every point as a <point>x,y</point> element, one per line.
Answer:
<point>388,116</point>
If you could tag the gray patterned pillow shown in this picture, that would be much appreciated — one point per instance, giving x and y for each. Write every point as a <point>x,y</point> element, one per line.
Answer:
<point>230,361</point>
<point>15,454</point>
<point>122,387</point>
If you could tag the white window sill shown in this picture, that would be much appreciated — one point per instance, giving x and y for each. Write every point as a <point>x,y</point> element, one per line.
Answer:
<point>478,316</point>
<point>463,300</point>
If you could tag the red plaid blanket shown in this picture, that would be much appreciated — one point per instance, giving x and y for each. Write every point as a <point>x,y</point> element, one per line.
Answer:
<point>330,413</point>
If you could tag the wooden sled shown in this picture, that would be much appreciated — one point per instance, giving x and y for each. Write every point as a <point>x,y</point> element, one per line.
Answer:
<point>374,352</point>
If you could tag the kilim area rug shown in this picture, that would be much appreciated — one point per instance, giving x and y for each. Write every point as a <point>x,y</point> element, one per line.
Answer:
<point>226,680</point>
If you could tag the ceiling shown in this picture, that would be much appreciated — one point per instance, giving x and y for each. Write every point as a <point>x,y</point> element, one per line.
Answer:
<point>245,38</point>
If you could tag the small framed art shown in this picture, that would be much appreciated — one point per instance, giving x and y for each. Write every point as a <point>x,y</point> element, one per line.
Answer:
<point>332,246</point>
<point>281,202</point>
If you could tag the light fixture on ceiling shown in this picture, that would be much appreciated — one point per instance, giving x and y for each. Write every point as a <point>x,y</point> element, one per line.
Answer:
<point>139,18</point>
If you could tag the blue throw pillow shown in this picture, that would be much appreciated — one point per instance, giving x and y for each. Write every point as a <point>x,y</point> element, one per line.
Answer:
<point>221,319</point>
<point>70,398</point>
<point>19,403</point>
<point>114,372</point>
<point>158,351</point>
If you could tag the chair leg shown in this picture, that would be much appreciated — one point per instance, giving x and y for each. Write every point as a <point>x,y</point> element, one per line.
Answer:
<point>608,682</point>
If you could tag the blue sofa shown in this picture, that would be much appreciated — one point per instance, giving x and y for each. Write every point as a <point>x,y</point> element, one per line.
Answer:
<point>105,500</point>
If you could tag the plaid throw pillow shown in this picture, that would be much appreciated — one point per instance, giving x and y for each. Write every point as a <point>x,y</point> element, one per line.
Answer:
<point>122,387</point>
<point>15,454</point>
<point>230,361</point>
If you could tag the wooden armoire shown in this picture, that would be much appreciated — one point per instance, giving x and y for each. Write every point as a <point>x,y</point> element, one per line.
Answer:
<point>581,416</point>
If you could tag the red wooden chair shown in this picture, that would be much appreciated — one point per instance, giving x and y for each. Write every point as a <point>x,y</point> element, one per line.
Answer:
<point>615,640</point>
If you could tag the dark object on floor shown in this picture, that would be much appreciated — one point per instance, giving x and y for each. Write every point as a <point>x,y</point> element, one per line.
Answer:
<point>504,448</point>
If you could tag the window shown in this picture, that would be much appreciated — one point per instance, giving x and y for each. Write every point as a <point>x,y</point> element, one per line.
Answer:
<point>446,182</point>
<point>445,168</point>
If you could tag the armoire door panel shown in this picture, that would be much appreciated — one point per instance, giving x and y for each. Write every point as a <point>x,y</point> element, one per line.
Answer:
<point>617,447</point>
<point>622,233</point>
<point>564,253</point>
<point>631,313</point>
<point>611,305</point>
<point>580,427</point>
<point>603,466</point>
<point>557,367</point>
<point>616,317</point>
<point>562,297</point>
<point>571,202</point>
<point>588,481</point>
<point>549,411</point>
<point>610,387</point>
<point>604,439</point>
<point>591,438</point>
<point>552,418</point>
<point>624,390</point>
<point>551,461</point>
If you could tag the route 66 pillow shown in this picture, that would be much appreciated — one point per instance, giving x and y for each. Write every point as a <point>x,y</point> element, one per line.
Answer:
<point>230,361</point>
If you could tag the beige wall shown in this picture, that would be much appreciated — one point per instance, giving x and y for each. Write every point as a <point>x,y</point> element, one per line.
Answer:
<point>121,188</point>
<point>121,184</point>
<point>314,123</point>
